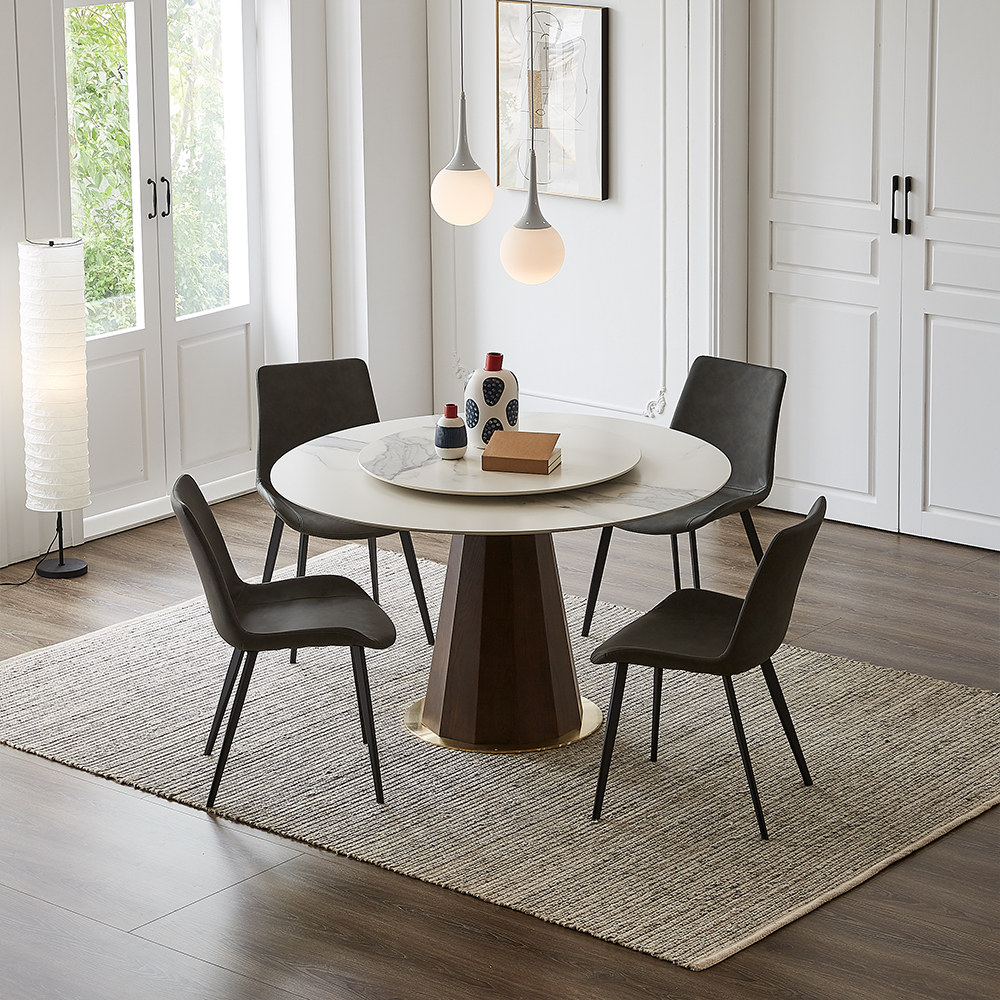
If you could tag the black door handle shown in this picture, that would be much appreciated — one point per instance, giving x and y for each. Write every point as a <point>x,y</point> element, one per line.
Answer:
<point>166,211</point>
<point>892,203</point>
<point>908,222</point>
<point>152,215</point>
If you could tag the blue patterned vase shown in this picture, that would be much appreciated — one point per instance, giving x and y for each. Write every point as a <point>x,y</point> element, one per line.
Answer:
<point>490,401</point>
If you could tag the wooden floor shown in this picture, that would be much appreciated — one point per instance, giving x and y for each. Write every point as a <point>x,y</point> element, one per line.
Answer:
<point>106,892</point>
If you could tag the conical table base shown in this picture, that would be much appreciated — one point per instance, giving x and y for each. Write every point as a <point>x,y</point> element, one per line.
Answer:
<point>502,676</point>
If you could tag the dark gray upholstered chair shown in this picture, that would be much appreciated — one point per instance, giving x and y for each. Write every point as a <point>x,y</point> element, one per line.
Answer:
<point>734,406</point>
<point>704,632</point>
<point>301,612</point>
<point>299,402</point>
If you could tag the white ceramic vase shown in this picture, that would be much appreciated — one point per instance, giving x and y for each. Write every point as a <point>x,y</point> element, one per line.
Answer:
<point>490,401</point>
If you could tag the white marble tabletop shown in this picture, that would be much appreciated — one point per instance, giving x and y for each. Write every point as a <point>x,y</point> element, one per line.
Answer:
<point>675,470</point>
<point>407,458</point>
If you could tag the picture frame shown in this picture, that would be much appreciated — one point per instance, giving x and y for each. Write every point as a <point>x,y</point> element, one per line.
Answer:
<point>571,98</point>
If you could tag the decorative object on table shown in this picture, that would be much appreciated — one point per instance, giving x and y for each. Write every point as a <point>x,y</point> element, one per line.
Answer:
<point>532,251</point>
<point>490,401</point>
<point>571,98</point>
<point>462,192</point>
<point>527,451</point>
<point>404,456</point>
<point>54,386</point>
<point>450,436</point>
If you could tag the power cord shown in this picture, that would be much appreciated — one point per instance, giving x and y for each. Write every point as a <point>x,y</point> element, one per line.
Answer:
<point>21,583</point>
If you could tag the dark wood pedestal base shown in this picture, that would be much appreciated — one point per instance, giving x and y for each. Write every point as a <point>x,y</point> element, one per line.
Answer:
<point>502,676</point>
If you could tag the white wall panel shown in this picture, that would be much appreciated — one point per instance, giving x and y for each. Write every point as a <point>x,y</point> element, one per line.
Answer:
<point>824,108</point>
<point>963,268</point>
<point>812,249</point>
<point>213,375</point>
<point>965,98</point>
<point>116,407</point>
<point>827,439</point>
<point>963,407</point>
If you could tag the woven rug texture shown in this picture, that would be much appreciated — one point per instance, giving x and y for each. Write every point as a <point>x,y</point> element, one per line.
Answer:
<point>675,867</point>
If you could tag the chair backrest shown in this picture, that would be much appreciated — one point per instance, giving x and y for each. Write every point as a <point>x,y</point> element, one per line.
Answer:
<point>767,609</point>
<point>215,566</point>
<point>299,402</point>
<point>735,406</point>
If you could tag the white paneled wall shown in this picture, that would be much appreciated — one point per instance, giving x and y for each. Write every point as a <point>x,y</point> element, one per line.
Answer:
<point>641,291</point>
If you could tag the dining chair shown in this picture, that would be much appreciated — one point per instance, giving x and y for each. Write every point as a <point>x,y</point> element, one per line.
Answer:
<point>255,617</point>
<point>704,632</point>
<point>299,402</point>
<point>734,406</point>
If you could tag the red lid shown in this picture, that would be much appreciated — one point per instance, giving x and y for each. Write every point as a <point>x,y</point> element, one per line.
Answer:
<point>494,362</point>
<point>451,409</point>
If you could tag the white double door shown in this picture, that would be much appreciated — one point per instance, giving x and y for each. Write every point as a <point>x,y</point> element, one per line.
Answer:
<point>172,390</point>
<point>875,257</point>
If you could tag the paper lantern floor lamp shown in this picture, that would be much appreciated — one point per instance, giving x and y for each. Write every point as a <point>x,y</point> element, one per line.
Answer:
<point>54,386</point>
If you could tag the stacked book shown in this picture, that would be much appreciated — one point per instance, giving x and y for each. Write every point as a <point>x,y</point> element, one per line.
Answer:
<point>522,451</point>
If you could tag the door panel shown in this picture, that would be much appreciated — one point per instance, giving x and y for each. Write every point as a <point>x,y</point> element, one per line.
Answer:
<point>119,450</point>
<point>174,336</point>
<point>950,351</point>
<point>214,377</point>
<point>824,265</point>
<point>825,109</point>
<point>830,347</point>
<point>210,332</point>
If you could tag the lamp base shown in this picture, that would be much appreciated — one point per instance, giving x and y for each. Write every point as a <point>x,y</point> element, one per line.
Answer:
<point>52,570</point>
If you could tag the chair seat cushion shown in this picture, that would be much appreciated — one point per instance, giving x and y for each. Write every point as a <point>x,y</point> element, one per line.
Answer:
<point>675,522</point>
<point>689,630</point>
<point>311,611</point>
<point>316,525</point>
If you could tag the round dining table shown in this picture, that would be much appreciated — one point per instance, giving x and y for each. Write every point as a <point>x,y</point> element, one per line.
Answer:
<point>502,675</point>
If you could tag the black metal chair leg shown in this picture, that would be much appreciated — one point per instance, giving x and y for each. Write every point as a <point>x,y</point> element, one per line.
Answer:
<point>786,719</point>
<point>300,570</point>
<point>234,718</point>
<point>272,550</point>
<point>677,562</point>
<point>654,742</point>
<point>610,731</point>
<point>695,573</point>
<point>596,577</point>
<point>406,539</point>
<point>367,716</point>
<point>373,565</point>
<point>748,527</point>
<point>227,690</point>
<point>741,740</point>
<point>300,564</point>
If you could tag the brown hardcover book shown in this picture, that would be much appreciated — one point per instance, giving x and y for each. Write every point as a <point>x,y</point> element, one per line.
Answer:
<point>522,451</point>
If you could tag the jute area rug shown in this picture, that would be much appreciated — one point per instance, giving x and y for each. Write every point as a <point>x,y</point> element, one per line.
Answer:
<point>675,868</point>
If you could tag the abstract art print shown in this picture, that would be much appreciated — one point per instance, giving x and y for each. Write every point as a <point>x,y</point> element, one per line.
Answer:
<point>567,73</point>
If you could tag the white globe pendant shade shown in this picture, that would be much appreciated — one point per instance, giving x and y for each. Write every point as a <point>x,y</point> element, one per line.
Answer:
<point>462,193</point>
<point>54,376</point>
<point>532,251</point>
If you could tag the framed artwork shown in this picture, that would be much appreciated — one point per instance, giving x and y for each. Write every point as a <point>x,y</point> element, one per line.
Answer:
<point>570,97</point>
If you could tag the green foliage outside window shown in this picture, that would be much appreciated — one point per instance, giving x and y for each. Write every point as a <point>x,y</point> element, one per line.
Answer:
<point>101,159</point>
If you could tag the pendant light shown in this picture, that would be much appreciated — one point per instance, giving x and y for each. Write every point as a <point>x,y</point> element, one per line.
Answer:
<point>532,251</point>
<point>462,192</point>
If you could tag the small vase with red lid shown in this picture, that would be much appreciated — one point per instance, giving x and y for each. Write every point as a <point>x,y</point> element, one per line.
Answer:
<point>490,401</point>
<point>450,437</point>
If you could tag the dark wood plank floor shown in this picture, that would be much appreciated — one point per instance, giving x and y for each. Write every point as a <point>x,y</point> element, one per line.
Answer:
<point>108,892</point>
